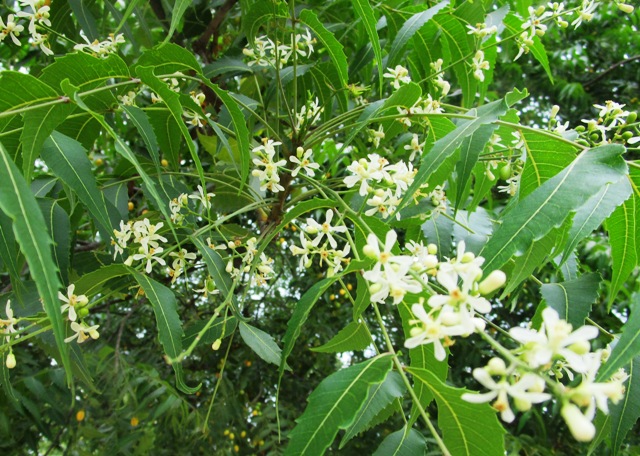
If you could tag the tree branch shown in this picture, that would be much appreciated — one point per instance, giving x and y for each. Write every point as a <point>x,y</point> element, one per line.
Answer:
<point>609,70</point>
<point>205,45</point>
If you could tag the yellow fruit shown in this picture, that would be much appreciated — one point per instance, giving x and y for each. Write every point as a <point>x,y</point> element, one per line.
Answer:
<point>164,163</point>
<point>134,421</point>
<point>80,415</point>
<point>130,205</point>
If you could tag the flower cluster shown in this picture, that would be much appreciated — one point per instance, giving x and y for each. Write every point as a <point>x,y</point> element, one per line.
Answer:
<point>318,239</point>
<point>76,306</point>
<point>478,65</point>
<point>309,114</point>
<point>38,17</point>
<point>265,52</point>
<point>101,48</point>
<point>268,175</point>
<point>246,253</point>
<point>453,313</point>
<point>146,236</point>
<point>613,124</point>
<point>554,350</point>
<point>383,183</point>
<point>8,327</point>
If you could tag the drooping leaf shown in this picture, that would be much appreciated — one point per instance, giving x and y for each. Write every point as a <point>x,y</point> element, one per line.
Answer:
<point>354,336</point>
<point>591,214</point>
<point>625,413</point>
<point>409,28</point>
<point>59,226</point>
<point>141,121</point>
<point>30,230</point>
<point>365,13</point>
<point>168,58</point>
<point>363,297</point>
<point>446,146</point>
<point>169,327</point>
<point>470,150</point>
<point>572,299</point>
<point>85,18</point>
<point>380,396</point>
<point>623,230</point>
<point>459,420</point>
<point>179,7</point>
<point>261,343</point>
<point>168,135</point>
<point>549,205</point>
<point>92,282</point>
<point>68,160</point>
<point>331,44</point>
<point>628,346</point>
<point>334,404</point>
<point>405,442</point>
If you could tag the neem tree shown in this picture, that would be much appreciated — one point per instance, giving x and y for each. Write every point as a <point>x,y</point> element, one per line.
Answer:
<point>298,180</point>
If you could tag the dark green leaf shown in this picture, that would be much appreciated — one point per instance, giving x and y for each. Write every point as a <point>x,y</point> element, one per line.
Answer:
<point>551,203</point>
<point>625,413</point>
<point>365,13</point>
<point>459,420</point>
<point>572,299</point>
<point>355,336</point>
<point>380,396</point>
<point>405,442</point>
<point>334,404</point>
<point>261,343</point>
<point>628,346</point>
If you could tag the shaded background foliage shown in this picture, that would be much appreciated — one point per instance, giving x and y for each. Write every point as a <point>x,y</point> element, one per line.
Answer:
<point>133,406</point>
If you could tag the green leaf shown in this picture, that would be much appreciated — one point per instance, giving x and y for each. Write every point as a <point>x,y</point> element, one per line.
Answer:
<point>30,230</point>
<point>179,7</point>
<point>355,336</point>
<point>169,328</point>
<point>546,157</point>
<point>172,101</point>
<point>300,315</point>
<point>141,121</point>
<point>8,249</point>
<point>623,236</point>
<point>446,146</point>
<point>331,44</point>
<point>409,28</point>
<point>68,160</point>
<point>256,13</point>
<point>222,326</point>
<point>592,213</point>
<point>168,135</point>
<point>334,404</point>
<point>551,203</point>
<point>380,396</point>
<point>625,413</point>
<point>59,227</point>
<point>365,13</point>
<point>239,125</point>
<point>459,419</point>
<point>363,297</point>
<point>92,283</point>
<point>438,230</point>
<point>470,150</point>
<point>628,346</point>
<point>85,18</point>
<point>261,343</point>
<point>168,58</point>
<point>405,442</point>
<point>572,299</point>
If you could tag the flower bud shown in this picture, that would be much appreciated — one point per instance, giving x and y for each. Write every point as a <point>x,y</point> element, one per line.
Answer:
<point>625,8</point>
<point>216,345</point>
<point>11,361</point>
<point>416,330</point>
<point>581,428</point>
<point>522,404</point>
<point>540,10</point>
<point>554,111</point>
<point>369,251</point>
<point>468,257</point>
<point>493,281</point>
<point>631,118</point>
<point>432,249</point>
<point>374,288</point>
<point>496,366</point>
<point>581,347</point>
<point>311,230</point>
<point>82,312</point>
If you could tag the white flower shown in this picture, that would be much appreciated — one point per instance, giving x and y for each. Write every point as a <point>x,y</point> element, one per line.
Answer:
<point>587,9</point>
<point>555,339</point>
<point>205,199</point>
<point>72,301</point>
<point>481,30</point>
<point>479,64</point>
<point>429,332</point>
<point>195,119</point>
<point>83,332</point>
<point>580,424</point>
<point>502,389</point>
<point>9,323</point>
<point>11,28</point>
<point>146,234</point>
<point>415,147</point>
<point>181,257</point>
<point>324,230</point>
<point>149,254</point>
<point>304,162</point>
<point>399,75</point>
